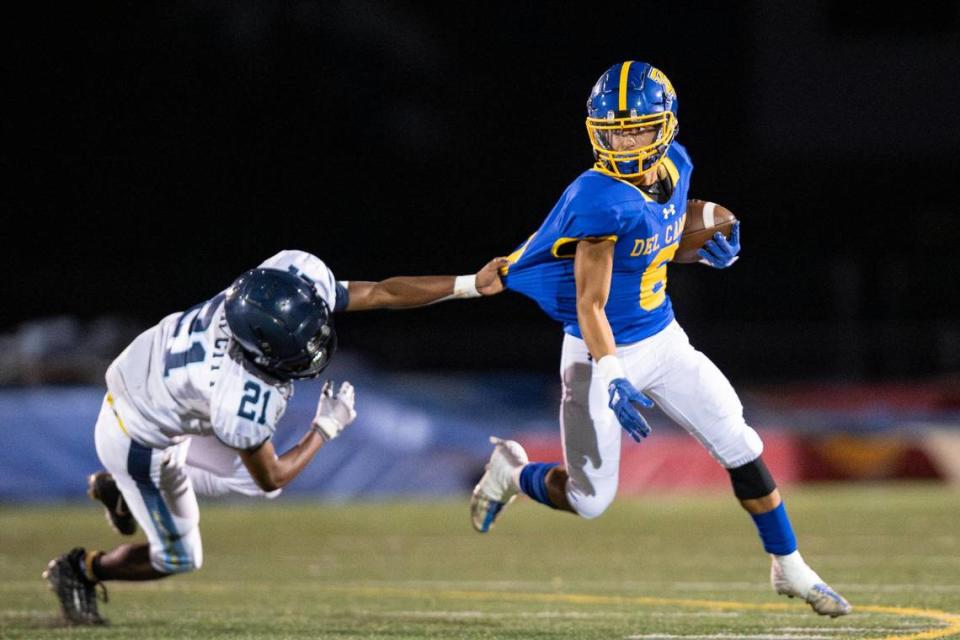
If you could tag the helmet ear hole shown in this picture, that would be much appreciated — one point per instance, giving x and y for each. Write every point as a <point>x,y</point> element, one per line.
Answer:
<point>280,322</point>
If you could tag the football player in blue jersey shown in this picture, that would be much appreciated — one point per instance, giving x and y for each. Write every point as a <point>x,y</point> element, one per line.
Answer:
<point>598,265</point>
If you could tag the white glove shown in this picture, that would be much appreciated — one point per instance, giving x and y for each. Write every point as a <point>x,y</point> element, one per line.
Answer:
<point>334,412</point>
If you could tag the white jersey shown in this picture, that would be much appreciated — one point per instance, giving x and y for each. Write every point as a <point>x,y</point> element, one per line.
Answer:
<point>185,376</point>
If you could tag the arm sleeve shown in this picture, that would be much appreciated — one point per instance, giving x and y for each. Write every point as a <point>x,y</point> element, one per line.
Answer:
<point>310,268</point>
<point>343,295</point>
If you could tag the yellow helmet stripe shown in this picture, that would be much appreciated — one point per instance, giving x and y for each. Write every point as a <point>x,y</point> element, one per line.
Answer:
<point>624,72</point>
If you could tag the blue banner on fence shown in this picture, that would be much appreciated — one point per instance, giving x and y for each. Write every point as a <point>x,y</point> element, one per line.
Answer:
<point>415,435</point>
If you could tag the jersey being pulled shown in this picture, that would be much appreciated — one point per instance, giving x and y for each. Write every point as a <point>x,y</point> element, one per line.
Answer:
<point>185,375</point>
<point>646,234</point>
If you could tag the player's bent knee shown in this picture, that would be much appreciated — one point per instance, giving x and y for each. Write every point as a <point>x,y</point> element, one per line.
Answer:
<point>181,555</point>
<point>591,510</point>
<point>173,564</point>
<point>735,444</point>
<point>592,506</point>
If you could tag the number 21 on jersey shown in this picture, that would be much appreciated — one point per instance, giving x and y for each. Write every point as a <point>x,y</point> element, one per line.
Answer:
<point>250,403</point>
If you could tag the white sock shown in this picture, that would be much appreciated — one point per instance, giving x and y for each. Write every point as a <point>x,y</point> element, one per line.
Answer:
<point>796,571</point>
<point>515,476</point>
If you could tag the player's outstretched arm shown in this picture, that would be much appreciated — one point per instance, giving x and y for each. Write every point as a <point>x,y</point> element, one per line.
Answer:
<point>334,414</point>
<point>403,292</point>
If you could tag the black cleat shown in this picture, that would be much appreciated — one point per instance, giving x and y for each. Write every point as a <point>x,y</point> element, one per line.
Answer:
<point>102,487</point>
<point>77,594</point>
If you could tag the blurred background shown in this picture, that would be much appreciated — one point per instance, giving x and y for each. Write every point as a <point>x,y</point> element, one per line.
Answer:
<point>155,151</point>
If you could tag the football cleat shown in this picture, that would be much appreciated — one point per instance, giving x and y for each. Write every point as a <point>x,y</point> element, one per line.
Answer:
<point>821,596</point>
<point>103,488</point>
<point>77,594</point>
<point>496,489</point>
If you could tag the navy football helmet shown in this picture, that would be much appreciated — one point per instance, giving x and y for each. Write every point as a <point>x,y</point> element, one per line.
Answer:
<point>631,97</point>
<point>281,324</point>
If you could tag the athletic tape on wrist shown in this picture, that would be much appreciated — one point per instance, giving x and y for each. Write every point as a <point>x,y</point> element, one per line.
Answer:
<point>320,425</point>
<point>465,287</point>
<point>610,368</point>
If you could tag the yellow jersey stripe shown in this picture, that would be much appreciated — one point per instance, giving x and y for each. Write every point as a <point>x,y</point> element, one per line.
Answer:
<point>624,72</point>
<point>601,169</point>
<point>117,415</point>
<point>513,257</point>
<point>672,170</point>
<point>562,242</point>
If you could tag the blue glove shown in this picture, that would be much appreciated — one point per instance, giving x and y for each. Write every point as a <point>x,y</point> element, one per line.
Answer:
<point>624,401</point>
<point>719,252</point>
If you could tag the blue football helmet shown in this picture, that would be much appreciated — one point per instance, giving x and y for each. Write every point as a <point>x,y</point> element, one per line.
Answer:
<point>281,324</point>
<point>631,98</point>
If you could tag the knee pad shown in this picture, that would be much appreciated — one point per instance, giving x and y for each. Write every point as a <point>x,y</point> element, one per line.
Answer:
<point>178,556</point>
<point>752,480</point>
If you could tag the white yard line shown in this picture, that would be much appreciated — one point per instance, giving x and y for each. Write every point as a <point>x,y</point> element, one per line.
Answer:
<point>854,629</point>
<point>639,587</point>
<point>942,623</point>
<point>572,615</point>
<point>727,636</point>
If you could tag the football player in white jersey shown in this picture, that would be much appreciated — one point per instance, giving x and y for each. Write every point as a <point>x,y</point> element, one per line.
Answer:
<point>192,404</point>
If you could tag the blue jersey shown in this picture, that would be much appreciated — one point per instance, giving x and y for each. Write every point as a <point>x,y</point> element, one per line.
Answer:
<point>646,234</point>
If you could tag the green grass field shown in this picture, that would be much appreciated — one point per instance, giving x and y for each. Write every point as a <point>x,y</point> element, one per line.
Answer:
<point>657,568</point>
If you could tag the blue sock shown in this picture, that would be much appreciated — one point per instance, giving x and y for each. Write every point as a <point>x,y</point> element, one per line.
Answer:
<point>533,481</point>
<point>775,531</point>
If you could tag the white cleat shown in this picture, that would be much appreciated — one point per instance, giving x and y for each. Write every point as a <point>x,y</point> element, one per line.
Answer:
<point>820,596</point>
<point>496,488</point>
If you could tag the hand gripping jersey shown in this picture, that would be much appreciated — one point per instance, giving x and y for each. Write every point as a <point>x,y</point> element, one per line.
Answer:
<point>647,234</point>
<point>185,375</point>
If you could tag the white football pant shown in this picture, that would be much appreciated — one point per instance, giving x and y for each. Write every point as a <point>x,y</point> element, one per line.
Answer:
<point>683,382</point>
<point>216,470</point>
<point>160,486</point>
<point>155,486</point>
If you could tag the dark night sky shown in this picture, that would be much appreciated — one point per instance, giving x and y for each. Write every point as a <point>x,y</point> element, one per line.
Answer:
<point>155,152</point>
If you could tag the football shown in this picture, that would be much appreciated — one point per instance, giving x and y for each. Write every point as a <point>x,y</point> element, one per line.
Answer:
<point>703,220</point>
